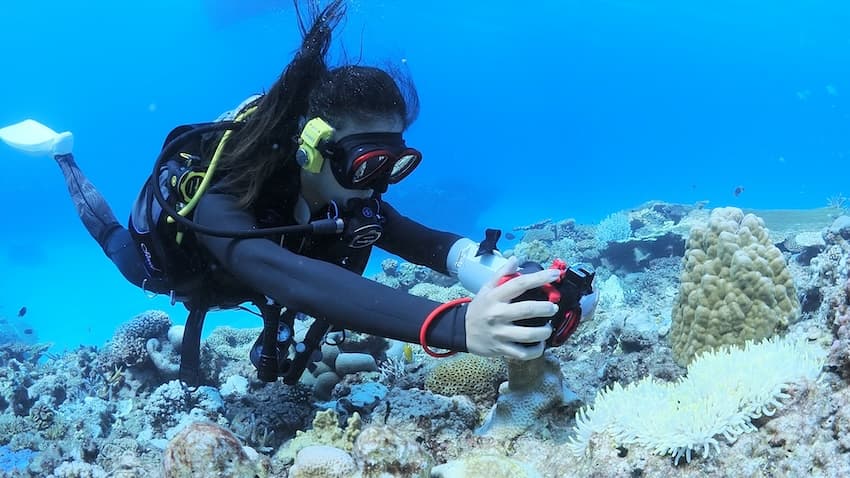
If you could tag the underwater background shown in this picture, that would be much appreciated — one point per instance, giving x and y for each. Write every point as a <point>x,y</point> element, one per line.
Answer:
<point>694,153</point>
<point>556,109</point>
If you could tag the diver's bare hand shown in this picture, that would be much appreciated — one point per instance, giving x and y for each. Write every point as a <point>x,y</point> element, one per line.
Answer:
<point>490,327</point>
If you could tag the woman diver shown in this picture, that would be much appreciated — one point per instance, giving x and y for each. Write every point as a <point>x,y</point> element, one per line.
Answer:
<point>321,143</point>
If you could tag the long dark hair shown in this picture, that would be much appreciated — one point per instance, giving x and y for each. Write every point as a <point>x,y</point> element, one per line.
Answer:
<point>266,143</point>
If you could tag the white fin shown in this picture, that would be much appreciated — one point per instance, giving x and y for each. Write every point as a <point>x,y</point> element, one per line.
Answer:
<point>30,136</point>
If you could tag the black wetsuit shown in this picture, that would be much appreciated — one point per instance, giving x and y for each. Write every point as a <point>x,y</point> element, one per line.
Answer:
<point>316,276</point>
<point>101,223</point>
<point>319,275</point>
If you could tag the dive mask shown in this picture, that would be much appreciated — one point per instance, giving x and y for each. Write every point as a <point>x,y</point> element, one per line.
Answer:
<point>372,160</point>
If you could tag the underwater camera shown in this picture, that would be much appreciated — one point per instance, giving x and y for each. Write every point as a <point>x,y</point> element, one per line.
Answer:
<point>573,294</point>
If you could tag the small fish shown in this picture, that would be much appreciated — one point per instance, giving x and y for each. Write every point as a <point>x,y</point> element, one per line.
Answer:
<point>737,192</point>
<point>407,352</point>
<point>22,312</point>
<point>28,331</point>
<point>510,236</point>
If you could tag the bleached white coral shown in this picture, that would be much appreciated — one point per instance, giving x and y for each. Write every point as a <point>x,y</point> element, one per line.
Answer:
<point>723,391</point>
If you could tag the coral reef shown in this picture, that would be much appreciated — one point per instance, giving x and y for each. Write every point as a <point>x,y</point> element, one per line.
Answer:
<point>335,365</point>
<point>377,452</point>
<point>325,431</point>
<point>426,410</point>
<point>206,450</point>
<point>382,452</point>
<point>128,346</point>
<point>323,461</point>
<point>615,227</point>
<point>485,466</point>
<point>717,397</point>
<point>839,352</point>
<point>266,415</point>
<point>390,410</point>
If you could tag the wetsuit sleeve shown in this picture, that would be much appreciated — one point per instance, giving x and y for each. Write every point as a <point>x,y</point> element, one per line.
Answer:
<point>318,288</point>
<point>414,242</point>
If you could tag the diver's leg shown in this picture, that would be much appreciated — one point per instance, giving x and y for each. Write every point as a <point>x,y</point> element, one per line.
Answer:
<point>97,216</point>
<point>122,250</point>
<point>92,208</point>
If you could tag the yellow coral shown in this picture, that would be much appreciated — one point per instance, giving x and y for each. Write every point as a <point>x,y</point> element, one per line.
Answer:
<point>735,286</point>
<point>325,431</point>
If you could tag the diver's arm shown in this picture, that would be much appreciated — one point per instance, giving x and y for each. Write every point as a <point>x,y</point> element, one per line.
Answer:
<point>414,242</point>
<point>443,252</point>
<point>321,289</point>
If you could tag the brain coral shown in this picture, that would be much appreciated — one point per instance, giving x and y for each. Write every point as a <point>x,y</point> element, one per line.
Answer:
<point>467,374</point>
<point>735,286</point>
<point>206,450</point>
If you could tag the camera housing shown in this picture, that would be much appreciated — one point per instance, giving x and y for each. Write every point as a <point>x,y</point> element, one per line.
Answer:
<point>566,292</point>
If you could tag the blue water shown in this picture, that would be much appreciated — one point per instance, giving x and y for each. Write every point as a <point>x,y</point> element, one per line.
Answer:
<point>548,109</point>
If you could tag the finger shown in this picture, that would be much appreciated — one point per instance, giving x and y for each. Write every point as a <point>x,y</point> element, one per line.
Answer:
<point>509,267</point>
<point>525,335</point>
<point>518,285</point>
<point>526,309</point>
<point>503,314</point>
<point>523,352</point>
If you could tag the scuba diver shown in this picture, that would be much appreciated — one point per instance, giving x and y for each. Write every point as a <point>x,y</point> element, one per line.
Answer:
<point>279,202</point>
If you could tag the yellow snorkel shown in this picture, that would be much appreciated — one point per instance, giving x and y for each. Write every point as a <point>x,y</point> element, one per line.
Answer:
<point>186,180</point>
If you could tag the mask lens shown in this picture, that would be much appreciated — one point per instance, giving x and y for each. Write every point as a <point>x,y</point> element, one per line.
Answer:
<point>405,164</point>
<point>368,165</point>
